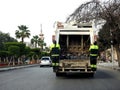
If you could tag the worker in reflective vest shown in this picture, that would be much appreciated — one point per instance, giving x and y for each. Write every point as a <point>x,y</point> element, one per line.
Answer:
<point>55,53</point>
<point>93,55</point>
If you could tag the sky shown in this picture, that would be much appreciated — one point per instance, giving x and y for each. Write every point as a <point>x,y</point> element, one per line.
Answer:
<point>33,13</point>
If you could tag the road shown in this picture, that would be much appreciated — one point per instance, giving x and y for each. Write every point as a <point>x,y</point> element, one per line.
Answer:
<point>36,78</point>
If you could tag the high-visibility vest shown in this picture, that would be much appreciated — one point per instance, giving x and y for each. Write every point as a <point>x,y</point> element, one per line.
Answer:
<point>55,50</point>
<point>93,50</point>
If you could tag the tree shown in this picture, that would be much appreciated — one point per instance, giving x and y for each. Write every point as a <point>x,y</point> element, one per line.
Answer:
<point>5,37</point>
<point>108,11</point>
<point>34,41</point>
<point>22,32</point>
<point>41,43</point>
<point>104,37</point>
<point>19,44</point>
<point>4,56</point>
<point>22,49</point>
<point>86,12</point>
<point>15,51</point>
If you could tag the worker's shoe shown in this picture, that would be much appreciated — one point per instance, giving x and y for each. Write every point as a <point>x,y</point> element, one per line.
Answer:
<point>54,69</point>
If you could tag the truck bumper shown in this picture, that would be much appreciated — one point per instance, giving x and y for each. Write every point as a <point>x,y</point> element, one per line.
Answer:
<point>69,71</point>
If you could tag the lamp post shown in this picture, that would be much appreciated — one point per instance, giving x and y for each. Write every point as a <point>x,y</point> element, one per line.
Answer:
<point>112,51</point>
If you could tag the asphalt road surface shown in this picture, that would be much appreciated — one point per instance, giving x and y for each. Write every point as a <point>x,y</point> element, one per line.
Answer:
<point>36,78</point>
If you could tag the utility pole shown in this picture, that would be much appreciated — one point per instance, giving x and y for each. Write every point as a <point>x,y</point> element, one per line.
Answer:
<point>112,51</point>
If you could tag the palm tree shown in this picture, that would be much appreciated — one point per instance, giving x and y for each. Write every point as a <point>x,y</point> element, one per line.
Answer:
<point>34,40</point>
<point>41,43</point>
<point>22,32</point>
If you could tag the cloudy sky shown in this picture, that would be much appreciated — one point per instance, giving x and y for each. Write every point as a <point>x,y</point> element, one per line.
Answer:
<point>33,13</point>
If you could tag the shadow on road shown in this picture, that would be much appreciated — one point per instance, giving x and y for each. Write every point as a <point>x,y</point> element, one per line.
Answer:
<point>76,76</point>
<point>100,74</point>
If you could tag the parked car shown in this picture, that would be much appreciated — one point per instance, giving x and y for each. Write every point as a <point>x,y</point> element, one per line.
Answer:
<point>45,61</point>
<point>27,61</point>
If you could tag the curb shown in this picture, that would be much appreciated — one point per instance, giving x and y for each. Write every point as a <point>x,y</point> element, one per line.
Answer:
<point>16,67</point>
<point>110,67</point>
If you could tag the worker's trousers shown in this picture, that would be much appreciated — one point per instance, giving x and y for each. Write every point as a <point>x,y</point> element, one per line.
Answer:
<point>93,62</point>
<point>55,62</point>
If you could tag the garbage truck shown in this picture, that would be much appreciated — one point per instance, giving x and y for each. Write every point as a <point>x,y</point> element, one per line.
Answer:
<point>74,40</point>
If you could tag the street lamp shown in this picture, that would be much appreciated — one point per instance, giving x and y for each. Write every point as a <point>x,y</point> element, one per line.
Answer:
<point>112,51</point>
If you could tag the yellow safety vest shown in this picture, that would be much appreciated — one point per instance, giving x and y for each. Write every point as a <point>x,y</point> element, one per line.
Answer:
<point>93,50</point>
<point>53,46</point>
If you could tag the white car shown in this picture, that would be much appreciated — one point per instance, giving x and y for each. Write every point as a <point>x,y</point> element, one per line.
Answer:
<point>45,61</point>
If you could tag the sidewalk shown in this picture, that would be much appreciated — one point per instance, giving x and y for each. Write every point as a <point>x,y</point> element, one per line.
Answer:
<point>16,67</point>
<point>110,65</point>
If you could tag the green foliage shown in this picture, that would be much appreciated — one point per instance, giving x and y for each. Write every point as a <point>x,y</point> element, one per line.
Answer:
<point>22,32</point>
<point>45,54</point>
<point>14,50</point>
<point>5,37</point>
<point>20,45</point>
<point>4,53</point>
<point>104,38</point>
<point>36,50</point>
<point>36,41</point>
<point>27,50</point>
<point>116,36</point>
<point>31,54</point>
